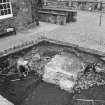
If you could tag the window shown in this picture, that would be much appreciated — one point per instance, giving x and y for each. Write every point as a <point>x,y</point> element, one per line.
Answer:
<point>5,9</point>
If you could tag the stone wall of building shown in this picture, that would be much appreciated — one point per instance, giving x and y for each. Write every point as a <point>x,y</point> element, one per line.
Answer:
<point>23,13</point>
<point>91,5</point>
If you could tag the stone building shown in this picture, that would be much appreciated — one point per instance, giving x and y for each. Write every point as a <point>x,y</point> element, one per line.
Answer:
<point>17,13</point>
<point>90,5</point>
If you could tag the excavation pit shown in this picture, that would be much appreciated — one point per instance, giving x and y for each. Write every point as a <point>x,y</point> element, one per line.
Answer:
<point>34,91</point>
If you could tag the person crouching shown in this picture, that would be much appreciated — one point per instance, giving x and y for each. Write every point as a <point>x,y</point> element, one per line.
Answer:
<point>22,67</point>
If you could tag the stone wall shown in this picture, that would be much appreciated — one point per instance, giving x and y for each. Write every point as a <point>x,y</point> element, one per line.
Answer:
<point>22,11</point>
<point>24,15</point>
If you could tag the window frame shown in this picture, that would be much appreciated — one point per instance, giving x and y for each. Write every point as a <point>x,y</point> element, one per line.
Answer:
<point>8,15</point>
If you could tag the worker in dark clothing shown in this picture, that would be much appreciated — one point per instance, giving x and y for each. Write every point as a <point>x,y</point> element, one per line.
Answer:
<point>37,20</point>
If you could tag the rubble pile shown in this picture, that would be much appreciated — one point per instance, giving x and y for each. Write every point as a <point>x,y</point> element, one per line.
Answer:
<point>66,70</point>
<point>62,70</point>
<point>36,61</point>
<point>90,79</point>
<point>39,56</point>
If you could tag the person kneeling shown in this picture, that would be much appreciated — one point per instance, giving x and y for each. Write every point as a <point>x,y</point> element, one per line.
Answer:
<point>22,67</point>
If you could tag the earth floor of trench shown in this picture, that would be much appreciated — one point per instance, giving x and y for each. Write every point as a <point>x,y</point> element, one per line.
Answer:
<point>33,91</point>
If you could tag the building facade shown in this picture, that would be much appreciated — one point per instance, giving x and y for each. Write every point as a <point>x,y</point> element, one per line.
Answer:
<point>91,5</point>
<point>17,13</point>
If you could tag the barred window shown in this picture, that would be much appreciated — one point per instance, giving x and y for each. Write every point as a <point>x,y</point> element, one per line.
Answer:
<point>5,9</point>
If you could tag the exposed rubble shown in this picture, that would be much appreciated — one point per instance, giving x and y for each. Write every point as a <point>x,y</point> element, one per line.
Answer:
<point>72,74</point>
<point>92,77</point>
<point>62,70</point>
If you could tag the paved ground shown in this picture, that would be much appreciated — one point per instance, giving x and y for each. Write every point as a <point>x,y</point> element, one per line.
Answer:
<point>86,32</point>
<point>31,34</point>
